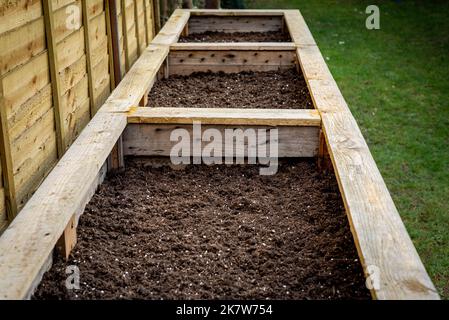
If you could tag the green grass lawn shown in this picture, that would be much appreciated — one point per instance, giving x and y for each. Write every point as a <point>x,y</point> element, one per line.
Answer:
<point>395,81</point>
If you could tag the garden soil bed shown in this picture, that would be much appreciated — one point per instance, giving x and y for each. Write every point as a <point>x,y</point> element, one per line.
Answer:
<point>213,36</point>
<point>284,89</point>
<point>209,232</point>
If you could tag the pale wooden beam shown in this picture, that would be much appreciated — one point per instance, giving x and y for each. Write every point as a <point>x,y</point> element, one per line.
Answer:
<point>226,116</point>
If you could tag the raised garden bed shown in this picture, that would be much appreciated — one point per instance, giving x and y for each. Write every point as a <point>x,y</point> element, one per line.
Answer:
<point>327,135</point>
<point>213,232</point>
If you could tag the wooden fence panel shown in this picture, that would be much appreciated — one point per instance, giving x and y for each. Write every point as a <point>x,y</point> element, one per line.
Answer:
<point>56,70</point>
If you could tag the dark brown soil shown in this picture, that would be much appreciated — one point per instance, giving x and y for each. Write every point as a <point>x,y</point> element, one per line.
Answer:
<point>213,232</point>
<point>212,36</point>
<point>269,90</point>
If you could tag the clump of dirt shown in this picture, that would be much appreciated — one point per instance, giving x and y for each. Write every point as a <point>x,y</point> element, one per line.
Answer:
<point>213,232</point>
<point>214,36</point>
<point>284,89</point>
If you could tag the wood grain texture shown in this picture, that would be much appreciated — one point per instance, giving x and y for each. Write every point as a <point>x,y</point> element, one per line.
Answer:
<point>9,193</point>
<point>229,24</point>
<point>21,44</point>
<point>223,116</point>
<point>26,245</point>
<point>15,14</point>
<point>138,81</point>
<point>88,45</point>
<point>236,46</point>
<point>381,238</point>
<point>54,68</point>
<point>229,61</point>
<point>172,30</point>
<point>154,139</point>
<point>230,12</point>
<point>297,28</point>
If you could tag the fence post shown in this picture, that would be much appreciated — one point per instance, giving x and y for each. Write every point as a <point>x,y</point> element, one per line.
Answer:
<point>93,106</point>
<point>6,161</point>
<point>125,35</point>
<point>136,28</point>
<point>156,16</point>
<point>54,75</point>
<point>113,43</point>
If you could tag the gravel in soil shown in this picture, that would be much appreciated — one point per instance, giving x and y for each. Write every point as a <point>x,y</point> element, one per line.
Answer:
<point>213,232</point>
<point>284,89</point>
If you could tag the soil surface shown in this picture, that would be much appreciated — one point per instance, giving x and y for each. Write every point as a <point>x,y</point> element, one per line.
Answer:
<point>284,89</point>
<point>213,36</point>
<point>209,232</point>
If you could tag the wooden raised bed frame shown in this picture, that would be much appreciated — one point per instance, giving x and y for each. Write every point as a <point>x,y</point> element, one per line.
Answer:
<point>380,236</point>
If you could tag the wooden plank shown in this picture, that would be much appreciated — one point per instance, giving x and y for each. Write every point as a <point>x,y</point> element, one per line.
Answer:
<point>68,239</point>
<point>21,44</point>
<point>236,46</point>
<point>61,30</point>
<point>54,69</point>
<point>58,4</point>
<point>172,30</point>
<point>297,27</point>
<point>75,110</point>
<point>6,162</point>
<point>380,236</point>
<point>116,160</point>
<point>236,13</point>
<point>87,45</point>
<point>157,16</point>
<point>229,24</point>
<point>154,139</point>
<point>139,79</point>
<point>71,49</point>
<point>137,26</point>
<point>15,14</point>
<point>34,155</point>
<point>225,116</point>
<point>229,61</point>
<point>3,217</point>
<point>23,83</point>
<point>73,74</point>
<point>146,22</point>
<point>113,42</point>
<point>125,35</point>
<point>95,8</point>
<point>98,33</point>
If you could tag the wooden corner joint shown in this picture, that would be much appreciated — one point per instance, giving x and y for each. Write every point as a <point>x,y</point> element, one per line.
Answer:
<point>67,241</point>
<point>323,161</point>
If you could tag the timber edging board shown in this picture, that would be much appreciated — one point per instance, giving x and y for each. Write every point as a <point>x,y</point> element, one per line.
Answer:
<point>383,244</point>
<point>379,233</point>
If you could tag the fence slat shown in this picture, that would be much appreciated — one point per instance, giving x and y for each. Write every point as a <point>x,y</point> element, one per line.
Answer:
<point>6,162</point>
<point>54,75</point>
